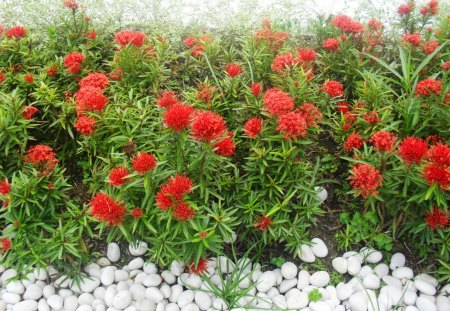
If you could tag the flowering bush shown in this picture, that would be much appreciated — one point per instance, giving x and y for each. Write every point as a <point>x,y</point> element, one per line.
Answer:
<point>190,142</point>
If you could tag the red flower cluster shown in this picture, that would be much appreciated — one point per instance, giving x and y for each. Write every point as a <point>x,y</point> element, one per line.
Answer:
<point>277,102</point>
<point>116,74</point>
<point>2,77</point>
<point>125,37</point>
<point>144,162</point>
<point>405,9</point>
<point>383,141</point>
<point>375,24</point>
<point>118,176</point>
<point>233,70</point>
<point>274,39</point>
<point>94,79</point>
<point>104,208</point>
<point>5,244</point>
<point>284,61</point>
<point>347,24</point>
<point>207,125</point>
<point>310,113</point>
<point>226,146</point>
<point>292,125</point>
<point>73,62</point>
<point>307,55</point>
<point>5,187</point>
<point>52,71</point>
<point>371,117</point>
<point>331,44</point>
<point>71,4</point>
<point>205,93</point>
<point>92,34</point>
<point>137,213</point>
<point>42,157</point>
<point>167,99</point>
<point>437,170</point>
<point>183,212</point>
<point>343,107</point>
<point>431,8</point>
<point>365,180</point>
<point>437,219</point>
<point>15,32</point>
<point>413,39</point>
<point>201,267</point>
<point>29,78</point>
<point>263,222</point>
<point>412,150</point>
<point>85,125</point>
<point>439,154</point>
<point>189,41</point>
<point>197,46</point>
<point>90,98</point>
<point>256,88</point>
<point>428,87</point>
<point>178,116</point>
<point>28,112</point>
<point>430,46</point>
<point>333,88</point>
<point>354,141</point>
<point>253,127</point>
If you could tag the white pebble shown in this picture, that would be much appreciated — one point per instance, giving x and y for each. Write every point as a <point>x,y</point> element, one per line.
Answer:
<point>113,252</point>
<point>289,270</point>
<point>319,248</point>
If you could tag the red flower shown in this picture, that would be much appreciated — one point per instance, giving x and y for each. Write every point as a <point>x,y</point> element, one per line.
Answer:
<point>431,8</point>
<point>6,244</point>
<point>198,50</point>
<point>42,157</point>
<point>178,116</point>
<point>412,149</point>
<point>437,219</point>
<point>94,79</point>
<point>413,39</point>
<point>354,141</point>
<point>310,113</point>
<point>144,162</point>
<point>277,102</point>
<point>205,93</point>
<point>375,24</point>
<point>253,127</point>
<point>439,154</point>
<point>207,125</point>
<point>292,125</point>
<point>428,86</point>
<point>405,9</point>
<point>284,61</point>
<point>172,193</point>
<point>125,37</point>
<point>434,173</point>
<point>92,34</point>
<point>136,213</point>
<point>2,77</point>
<point>343,107</point>
<point>16,32</point>
<point>52,71</point>
<point>118,176</point>
<point>257,88</point>
<point>444,66</point>
<point>183,212</point>
<point>201,267</point>
<point>430,46</point>
<point>85,125</point>
<point>167,99</point>
<point>225,147</point>
<point>365,179</point>
<point>73,62</point>
<point>29,78</point>
<point>233,70</point>
<point>28,112</point>
<point>71,4</point>
<point>307,55</point>
<point>116,74</point>
<point>90,98</point>
<point>371,117</point>
<point>189,41</point>
<point>333,88</point>
<point>5,187</point>
<point>263,222</point>
<point>331,44</point>
<point>383,141</point>
<point>346,24</point>
<point>104,208</point>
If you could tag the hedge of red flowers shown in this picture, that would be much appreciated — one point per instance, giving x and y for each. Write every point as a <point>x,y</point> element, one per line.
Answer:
<point>175,140</point>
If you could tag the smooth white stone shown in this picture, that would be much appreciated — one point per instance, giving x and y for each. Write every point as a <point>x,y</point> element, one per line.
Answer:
<point>381,270</point>
<point>84,308</point>
<point>203,300</point>
<point>137,291</point>
<point>33,292</point>
<point>443,303</point>
<point>152,280</point>
<point>65,293</point>
<point>11,298</point>
<point>93,269</point>
<point>168,277</point>
<point>185,298</point>
<point>99,293</point>
<point>340,265</point>
<point>71,302</point>
<point>403,273</point>
<point>425,287</point>
<point>303,279</point>
<point>48,290</point>
<point>177,267</point>
<point>26,305</point>
<point>86,285</point>
<point>83,299</point>
<point>349,254</point>
<point>305,253</point>
<point>113,252</point>
<point>320,306</point>
<point>122,285</point>
<point>411,308</point>
<point>429,279</point>
<point>120,275</point>
<point>110,293</point>
<point>29,279</point>
<point>398,260</point>
<point>279,276</point>
<point>190,307</point>
<point>176,289</point>
<point>172,307</point>
<point>136,263</point>
<point>122,300</point>
<point>266,281</point>
<point>7,275</point>
<point>319,248</point>
<point>107,276</point>
<point>103,261</point>
<point>295,299</point>
<point>374,256</point>
<point>354,265</point>
<point>193,282</point>
<point>272,292</point>
<point>289,270</point>
<point>424,304</point>
<point>245,282</point>
<point>138,249</point>
<point>154,295</point>
<point>43,305</point>
<point>320,279</point>
<point>55,302</point>
<point>225,265</point>
<point>371,281</point>
<point>344,291</point>
<point>15,287</point>
<point>287,285</point>
<point>358,301</point>
<point>279,301</point>
<point>321,194</point>
<point>409,297</point>
<point>40,274</point>
<point>391,281</point>
<point>394,293</point>
<point>365,271</point>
